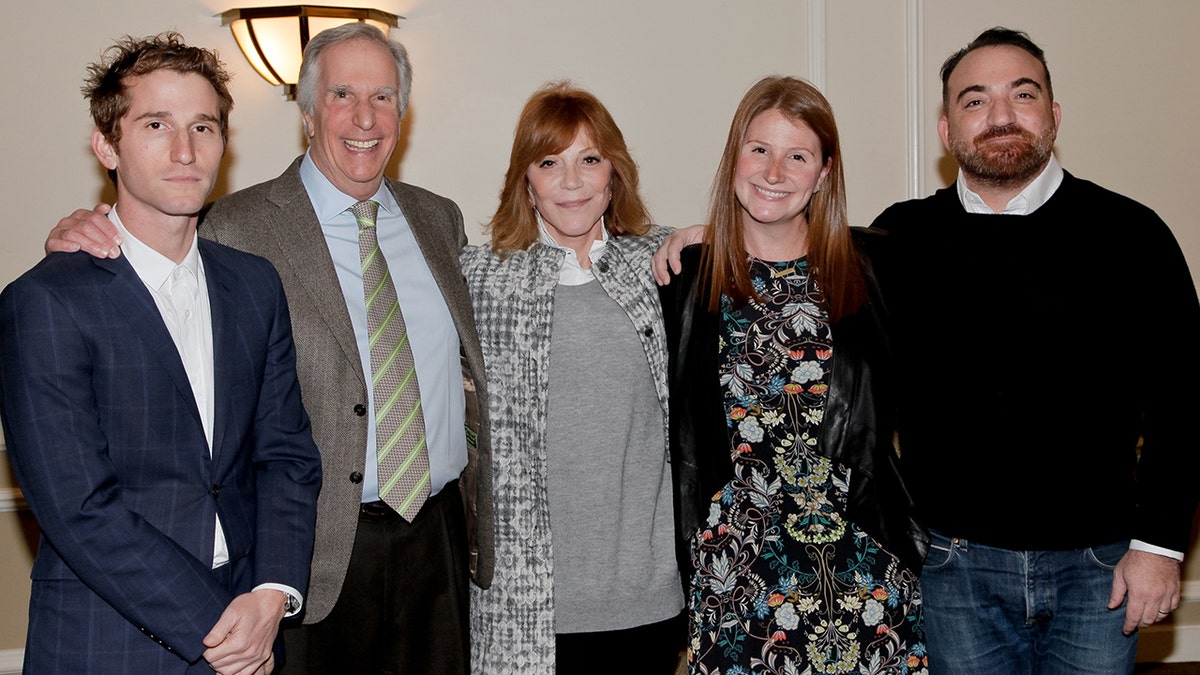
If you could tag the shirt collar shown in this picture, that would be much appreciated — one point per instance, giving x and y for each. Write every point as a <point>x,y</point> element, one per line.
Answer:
<point>152,267</point>
<point>330,202</point>
<point>1033,197</point>
<point>572,273</point>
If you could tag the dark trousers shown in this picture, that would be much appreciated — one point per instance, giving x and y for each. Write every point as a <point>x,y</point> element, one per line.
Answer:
<point>653,649</point>
<point>403,606</point>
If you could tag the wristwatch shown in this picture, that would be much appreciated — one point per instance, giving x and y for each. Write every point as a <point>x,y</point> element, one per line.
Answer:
<point>292,605</point>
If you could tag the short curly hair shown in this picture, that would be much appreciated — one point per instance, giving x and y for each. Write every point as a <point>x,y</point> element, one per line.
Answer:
<point>106,88</point>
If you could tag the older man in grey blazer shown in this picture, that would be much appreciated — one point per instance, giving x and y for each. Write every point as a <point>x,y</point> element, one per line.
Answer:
<point>389,584</point>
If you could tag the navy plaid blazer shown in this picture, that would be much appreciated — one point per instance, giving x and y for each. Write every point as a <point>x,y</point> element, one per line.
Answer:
<point>107,444</point>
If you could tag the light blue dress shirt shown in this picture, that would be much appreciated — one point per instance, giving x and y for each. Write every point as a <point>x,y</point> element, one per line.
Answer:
<point>431,329</point>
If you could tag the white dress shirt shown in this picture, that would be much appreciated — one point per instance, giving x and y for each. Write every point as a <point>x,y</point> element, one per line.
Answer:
<point>1038,192</point>
<point>572,272</point>
<point>181,294</point>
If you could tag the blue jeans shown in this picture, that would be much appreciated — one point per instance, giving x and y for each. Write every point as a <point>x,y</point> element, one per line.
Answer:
<point>992,610</point>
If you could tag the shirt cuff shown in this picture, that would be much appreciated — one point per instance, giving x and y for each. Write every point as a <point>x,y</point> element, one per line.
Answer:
<point>1138,545</point>
<point>287,590</point>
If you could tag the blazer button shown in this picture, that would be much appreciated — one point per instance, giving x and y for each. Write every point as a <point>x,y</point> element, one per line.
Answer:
<point>649,332</point>
<point>602,266</point>
<point>360,409</point>
<point>356,477</point>
<point>216,491</point>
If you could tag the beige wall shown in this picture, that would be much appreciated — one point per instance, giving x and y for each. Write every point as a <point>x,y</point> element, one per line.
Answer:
<point>671,71</point>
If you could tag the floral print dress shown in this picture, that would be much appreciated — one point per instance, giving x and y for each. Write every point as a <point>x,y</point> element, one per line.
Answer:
<point>783,582</point>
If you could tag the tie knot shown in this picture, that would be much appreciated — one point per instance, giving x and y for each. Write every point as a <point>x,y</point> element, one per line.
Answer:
<point>365,212</point>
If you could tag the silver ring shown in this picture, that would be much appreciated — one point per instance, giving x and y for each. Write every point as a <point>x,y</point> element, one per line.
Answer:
<point>1163,613</point>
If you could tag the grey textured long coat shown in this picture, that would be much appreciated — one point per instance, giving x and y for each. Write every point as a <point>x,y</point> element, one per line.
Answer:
<point>512,622</point>
<point>276,220</point>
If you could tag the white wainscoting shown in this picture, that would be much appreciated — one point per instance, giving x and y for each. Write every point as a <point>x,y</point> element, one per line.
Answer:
<point>10,661</point>
<point>11,499</point>
<point>1176,640</point>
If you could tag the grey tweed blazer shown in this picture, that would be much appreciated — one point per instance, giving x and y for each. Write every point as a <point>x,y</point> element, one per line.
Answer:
<point>512,622</point>
<point>276,220</point>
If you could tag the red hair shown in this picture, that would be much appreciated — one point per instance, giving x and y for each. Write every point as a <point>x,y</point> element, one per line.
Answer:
<point>832,258</point>
<point>548,125</point>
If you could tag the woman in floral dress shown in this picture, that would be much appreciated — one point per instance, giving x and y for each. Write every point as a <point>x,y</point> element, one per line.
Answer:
<point>795,527</point>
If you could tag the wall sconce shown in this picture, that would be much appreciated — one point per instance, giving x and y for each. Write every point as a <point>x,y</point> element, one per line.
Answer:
<point>273,38</point>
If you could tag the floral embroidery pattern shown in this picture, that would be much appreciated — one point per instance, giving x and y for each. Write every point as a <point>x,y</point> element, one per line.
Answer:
<point>784,583</point>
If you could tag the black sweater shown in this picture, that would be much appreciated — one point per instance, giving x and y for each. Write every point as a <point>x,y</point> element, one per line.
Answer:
<point>1034,352</point>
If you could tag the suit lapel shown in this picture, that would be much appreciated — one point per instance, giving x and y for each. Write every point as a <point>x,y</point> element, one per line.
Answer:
<point>439,252</point>
<point>224,331</point>
<point>300,247</point>
<point>419,220</point>
<point>133,304</point>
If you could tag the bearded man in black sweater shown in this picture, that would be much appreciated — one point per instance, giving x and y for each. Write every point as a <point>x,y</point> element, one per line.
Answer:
<point>1047,332</point>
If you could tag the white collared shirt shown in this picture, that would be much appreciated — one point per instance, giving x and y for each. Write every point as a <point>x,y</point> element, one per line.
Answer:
<point>1038,192</point>
<point>572,272</point>
<point>181,294</point>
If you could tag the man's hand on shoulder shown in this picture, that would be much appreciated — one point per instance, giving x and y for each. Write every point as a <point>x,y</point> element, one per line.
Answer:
<point>240,643</point>
<point>666,258</point>
<point>89,231</point>
<point>1149,584</point>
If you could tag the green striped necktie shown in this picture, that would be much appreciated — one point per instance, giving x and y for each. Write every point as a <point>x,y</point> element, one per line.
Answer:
<point>402,456</point>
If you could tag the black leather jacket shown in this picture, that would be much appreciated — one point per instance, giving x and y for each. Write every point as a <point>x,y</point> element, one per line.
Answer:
<point>856,430</point>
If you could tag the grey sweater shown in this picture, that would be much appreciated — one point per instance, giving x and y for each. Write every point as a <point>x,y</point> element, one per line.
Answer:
<point>513,622</point>
<point>609,483</point>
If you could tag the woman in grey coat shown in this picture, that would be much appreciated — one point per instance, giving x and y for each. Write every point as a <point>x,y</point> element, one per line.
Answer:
<point>571,328</point>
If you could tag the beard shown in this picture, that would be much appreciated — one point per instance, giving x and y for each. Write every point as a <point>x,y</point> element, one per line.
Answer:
<point>1007,156</point>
